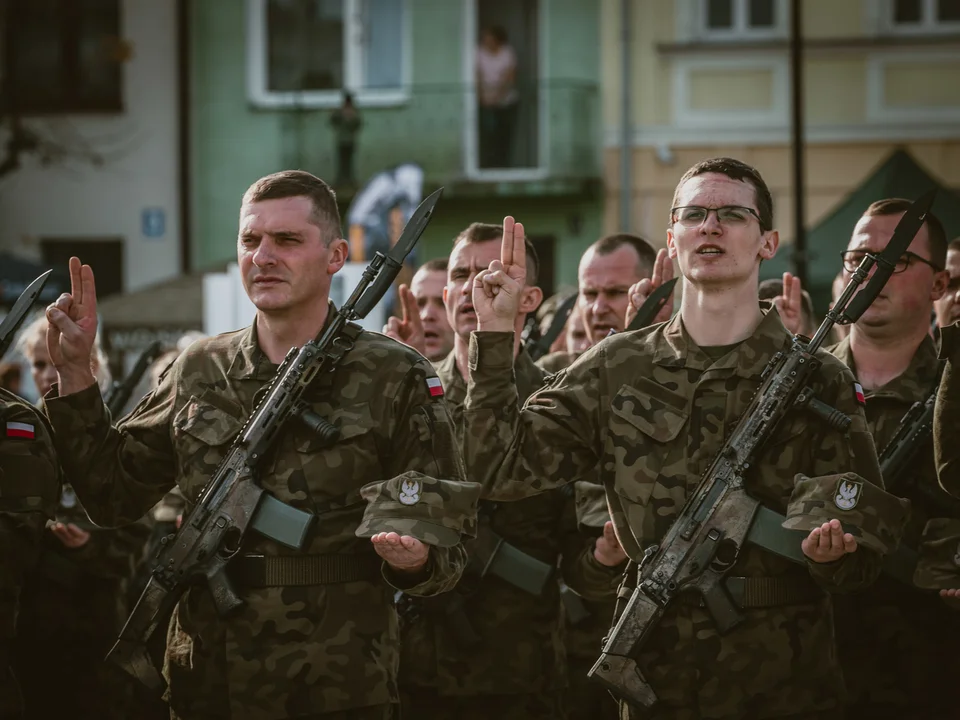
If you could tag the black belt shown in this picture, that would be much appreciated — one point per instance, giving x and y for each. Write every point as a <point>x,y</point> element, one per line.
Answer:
<point>260,571</point>
<point>763,592</point>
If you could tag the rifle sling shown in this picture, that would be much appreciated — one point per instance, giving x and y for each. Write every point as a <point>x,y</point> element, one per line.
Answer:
<point>261,571</point>
<point>764,592</point>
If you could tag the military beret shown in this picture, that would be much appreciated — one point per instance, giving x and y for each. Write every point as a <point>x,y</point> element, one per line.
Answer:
<point>872,515</point>
<point>938,564</point>
<point>591,504</point>
<point>435,511</point>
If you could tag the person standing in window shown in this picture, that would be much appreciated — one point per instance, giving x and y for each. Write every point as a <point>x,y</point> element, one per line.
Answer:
<point>346,124</point>
<point>497,97</point>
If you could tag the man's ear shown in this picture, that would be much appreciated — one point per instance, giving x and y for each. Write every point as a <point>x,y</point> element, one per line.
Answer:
<point>671,245</point>
<point>444,294</point>
<point>770,241</point>
<point>338,255</point>
<point>941,280</point>
<point>530,299</point>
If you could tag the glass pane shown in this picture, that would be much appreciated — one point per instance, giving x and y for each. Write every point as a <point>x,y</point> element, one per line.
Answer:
<point>907,11</point>
<point>719,14</point>
<point>305,45</point>
<point>948,10</point>
<point>762,14</point>
<point>382,40</point>
<point>96,75</point>
<point>35,56</point>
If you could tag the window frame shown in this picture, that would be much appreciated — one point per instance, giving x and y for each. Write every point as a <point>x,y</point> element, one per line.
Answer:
<point>740,31</point>
<point>928,24</point>
<point>260,95</point>
<point>68,104</point>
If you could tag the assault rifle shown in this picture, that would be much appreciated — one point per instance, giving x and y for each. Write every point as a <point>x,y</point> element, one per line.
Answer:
<point>120,393</point>
<point>914,429</point>
<point>704,542</point>
<point>232,502</point>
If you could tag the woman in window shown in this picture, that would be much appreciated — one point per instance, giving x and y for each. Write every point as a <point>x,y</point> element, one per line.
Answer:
<point>497,97</point>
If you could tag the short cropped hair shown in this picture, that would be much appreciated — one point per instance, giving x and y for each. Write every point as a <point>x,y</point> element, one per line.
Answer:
<point>298,183</point>
<point>935,231</point>
<point>735,170</point>
<point>435,265</point>
<point>484,232</point>
<point>646,255</point>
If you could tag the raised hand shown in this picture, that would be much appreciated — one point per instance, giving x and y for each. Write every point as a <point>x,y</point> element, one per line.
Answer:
<point>497,290</point>
<point>639,292</point>
<point>72,329</point>
<point>828,543</point>
<point>790,304</point>
<point>401,552</point>
<point>408,328</point>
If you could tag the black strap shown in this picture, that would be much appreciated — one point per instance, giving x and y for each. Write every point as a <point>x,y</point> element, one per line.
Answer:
<point>260,571</point>
<point>764,592</point>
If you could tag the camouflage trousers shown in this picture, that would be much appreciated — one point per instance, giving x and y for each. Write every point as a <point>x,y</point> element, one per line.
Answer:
<point>373,712</point>
<point>424,704</point>
<point>673,713</point>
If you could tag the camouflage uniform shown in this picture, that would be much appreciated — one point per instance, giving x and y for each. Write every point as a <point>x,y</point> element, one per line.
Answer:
<point>29,484</point>
<point>907,668</point>
<point>946,419</point>
<point>652,409</point>
<point>76,601</point>
<point>556,361</point>
<point>293,649</point>
<point>515,666</point>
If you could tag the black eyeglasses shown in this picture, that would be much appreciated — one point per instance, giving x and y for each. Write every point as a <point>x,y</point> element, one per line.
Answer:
<point>692,216</point>
<point>853,258</point>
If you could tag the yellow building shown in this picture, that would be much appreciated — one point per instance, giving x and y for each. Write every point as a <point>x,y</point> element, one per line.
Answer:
<point>712,77</point>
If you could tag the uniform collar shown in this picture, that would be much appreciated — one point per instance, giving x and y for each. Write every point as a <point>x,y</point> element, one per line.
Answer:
<point>675,348</point>
<point>913,384</point>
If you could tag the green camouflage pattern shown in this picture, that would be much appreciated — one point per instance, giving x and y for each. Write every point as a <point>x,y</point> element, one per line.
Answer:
<point>946,415</point>
<point>520,652</point>
<point>651,410</point>
<point>29,486</point>
<point>556,361</point>
<point>938,567</point>
<point>289,651</point>
<point>906,670</point>
<point>77,600</point>
<point>433,510</point>
<point>872,515</point>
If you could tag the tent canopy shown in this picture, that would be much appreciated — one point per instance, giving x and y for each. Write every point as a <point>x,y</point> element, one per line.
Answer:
<point>898,176</point>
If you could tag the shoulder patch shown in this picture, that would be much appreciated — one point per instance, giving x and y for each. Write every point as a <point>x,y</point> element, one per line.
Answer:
<point>858,393</point>
<point>21,430</point>
<point>434,387</point>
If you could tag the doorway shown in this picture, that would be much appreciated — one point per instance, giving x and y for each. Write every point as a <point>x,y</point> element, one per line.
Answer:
<point>104,256</point>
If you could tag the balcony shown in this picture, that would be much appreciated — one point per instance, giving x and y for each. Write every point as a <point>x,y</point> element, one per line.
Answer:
<point>552,148</point>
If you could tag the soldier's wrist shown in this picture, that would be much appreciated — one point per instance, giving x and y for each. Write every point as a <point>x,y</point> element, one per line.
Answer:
<point>74,379</point>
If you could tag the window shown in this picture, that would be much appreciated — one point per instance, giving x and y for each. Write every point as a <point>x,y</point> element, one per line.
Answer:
<point>62,56</point>
<point>924,16</point>
<point>306,52</point>
<point>740,19</point>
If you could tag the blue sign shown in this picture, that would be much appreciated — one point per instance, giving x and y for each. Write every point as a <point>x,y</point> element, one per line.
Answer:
<point>153,222</point>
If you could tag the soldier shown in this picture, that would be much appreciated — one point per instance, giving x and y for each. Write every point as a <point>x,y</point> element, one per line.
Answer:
<point>608,269</point>
<point>316,635</point>
<point>575,342</point>
<point>76,599</point>
<point>793,303</point>
<point>651,409</point>
<point>424,298</point>
<point>493,647</point>
<point>29,488</point>
<point>948,306</point>
<point>905,670</point>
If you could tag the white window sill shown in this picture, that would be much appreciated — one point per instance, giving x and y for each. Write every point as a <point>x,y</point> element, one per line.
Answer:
<point>328,99</point>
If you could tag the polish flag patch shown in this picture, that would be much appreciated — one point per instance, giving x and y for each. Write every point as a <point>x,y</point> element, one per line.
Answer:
<point>858,391</point>
<point>435,387</point>
<point>20,430</point>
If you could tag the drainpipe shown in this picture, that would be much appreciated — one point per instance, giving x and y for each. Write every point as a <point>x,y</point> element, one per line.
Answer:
<point>626,102</point>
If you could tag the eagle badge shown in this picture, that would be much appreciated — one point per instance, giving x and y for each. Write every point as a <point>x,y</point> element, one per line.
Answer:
<point>848,494</point>
<point>409,492</point>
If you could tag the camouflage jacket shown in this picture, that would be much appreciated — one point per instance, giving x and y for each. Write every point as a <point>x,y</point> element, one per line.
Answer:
<point>884,673</point>
<point>29,486</point>
<point>521,647</point>
<point>946,419</point>
<point>652,409</point>
<point>290,650</point>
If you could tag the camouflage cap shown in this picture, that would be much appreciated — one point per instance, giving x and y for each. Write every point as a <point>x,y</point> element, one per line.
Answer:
<point>436,512</point>
<point>591,503</point>
<point>938,564</point>
<point>872,515</point>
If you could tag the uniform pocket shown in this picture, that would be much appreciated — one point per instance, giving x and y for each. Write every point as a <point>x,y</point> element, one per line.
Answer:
<point>202,433</point>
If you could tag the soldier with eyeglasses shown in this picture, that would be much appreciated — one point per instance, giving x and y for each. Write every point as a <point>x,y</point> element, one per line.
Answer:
<point>948,306</point>
<point>895,642</point>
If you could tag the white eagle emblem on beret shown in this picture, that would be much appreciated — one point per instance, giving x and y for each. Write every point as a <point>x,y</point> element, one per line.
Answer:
<point>848,494</point>
<point>409,492</point>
